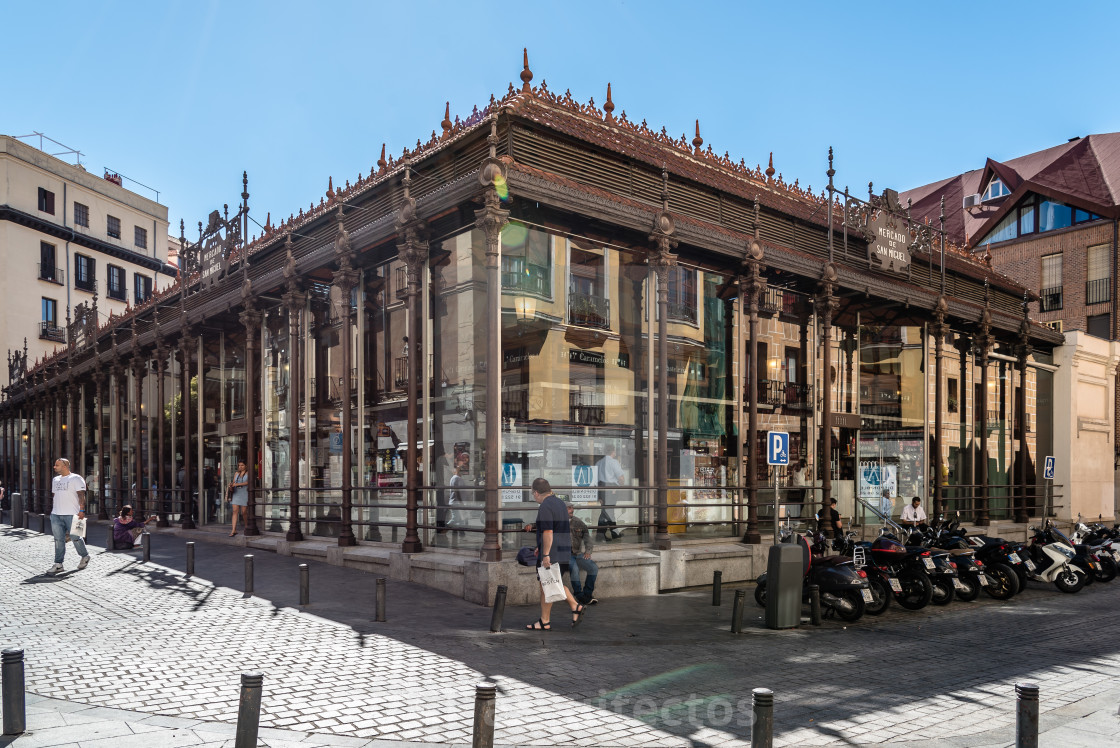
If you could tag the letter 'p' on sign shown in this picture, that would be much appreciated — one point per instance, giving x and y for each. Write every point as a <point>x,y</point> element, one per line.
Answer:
<point>777,448</point>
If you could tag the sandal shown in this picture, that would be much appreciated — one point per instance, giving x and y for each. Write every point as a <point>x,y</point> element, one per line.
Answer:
<point>539,625</point>
<point>232,534</point>
<point>578,613</point>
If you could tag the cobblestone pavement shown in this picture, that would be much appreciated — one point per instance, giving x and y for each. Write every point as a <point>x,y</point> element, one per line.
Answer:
<point>663,671</point>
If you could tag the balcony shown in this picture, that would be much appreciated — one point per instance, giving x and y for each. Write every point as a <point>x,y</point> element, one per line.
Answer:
<point>51,331</point>
<point>51,274</point>
<point>775,393</point>
<point>586,408</point>
<point>520,275</point>
<point>586,310</point>
<point>778,301</point>
<point>682,312</point>
<point>1098,291</point>
<point>515,404</point>
<point>1051,299</point>
<point>400,371</point>
<point>86,284</point>
<point>117,293</point>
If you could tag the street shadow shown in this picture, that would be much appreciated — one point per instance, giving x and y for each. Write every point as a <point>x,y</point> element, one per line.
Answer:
<point>164,581</point>
<point>46,578</point>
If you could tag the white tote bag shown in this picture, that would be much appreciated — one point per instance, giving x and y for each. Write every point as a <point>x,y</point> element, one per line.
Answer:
<point>78,527</point>
<point>551,583</point>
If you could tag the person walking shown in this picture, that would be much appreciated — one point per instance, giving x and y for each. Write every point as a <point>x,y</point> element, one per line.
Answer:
<point>610,473</point>
<point>239,495</point>
<point>582,546</point>
<point>554,541</point>
<point>69,491</point>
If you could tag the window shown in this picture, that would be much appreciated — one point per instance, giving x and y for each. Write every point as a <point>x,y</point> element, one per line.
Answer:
<point>996,188</point>
<point>46,201</point>
<point>526,260</point>
<point>141,287</point>
<point>1026,217</point>
<point>1098,326</point>
<point>1097,283</point>
<point>1081,216</point>
<point>1004,230</point>
<point>141,238</point>
<point>85,276</point>
<point>1054,325</point>
<point>48,327</point>
<point>113,227</point>
<point>47,269</point>
<point>682,294</point>
<point>588,305</point>
<point>1051,283</point>
<point>81,215</point>
<point>1054,216</point>
<point>952,403</point>
<point>116,283</point>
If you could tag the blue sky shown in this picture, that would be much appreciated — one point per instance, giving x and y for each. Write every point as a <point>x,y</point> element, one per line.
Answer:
<point>183,96</point>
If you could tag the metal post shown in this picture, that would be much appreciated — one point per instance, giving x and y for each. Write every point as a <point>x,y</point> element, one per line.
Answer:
<point>109,537</point>
<point>15,707</point>
<point>304,585</point>
<point>190,558</point>
<point>815,604</point>
<point>737,612</point>
<point>249,710</point>
<point>774,470</point>
<point>1026,715</point>
<point>248,574</point>
<point>499,610</point>
<point>379,599</point>
<point>484,714</point>
<point>146,544</point>
<point>717,587</point>
<point>762,727</point>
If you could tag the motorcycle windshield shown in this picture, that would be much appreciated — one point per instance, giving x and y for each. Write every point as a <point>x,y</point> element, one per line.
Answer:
<point>1060,535</point>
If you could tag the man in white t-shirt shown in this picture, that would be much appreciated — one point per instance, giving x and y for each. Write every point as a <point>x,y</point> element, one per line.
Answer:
<point>69,492</point>
<point>913,515</point>
<point>610,474</point>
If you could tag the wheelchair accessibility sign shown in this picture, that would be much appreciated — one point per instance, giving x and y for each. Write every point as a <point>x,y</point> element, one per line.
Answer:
<point>1048,471</point>
<point>777,448</point>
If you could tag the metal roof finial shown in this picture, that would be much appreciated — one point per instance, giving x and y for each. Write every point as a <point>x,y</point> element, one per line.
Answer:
<point>446,124</point>
<point>526,74</point>
<point>699,141</point>
<point>770,168</point>
<point>381,163</point>
<point>608,107</point>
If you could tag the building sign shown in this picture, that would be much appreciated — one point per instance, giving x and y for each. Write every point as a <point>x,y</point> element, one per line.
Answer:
<point>596,358</point>
<point>511,476</point>
<point>585,478</point>
<point>889,245</point>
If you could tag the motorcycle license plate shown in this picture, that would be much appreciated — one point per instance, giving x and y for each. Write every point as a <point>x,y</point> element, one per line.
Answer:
<point>929,563</point>
<point>1030,564</point>
<point>895,586</point>
<point>983,580</point>
<point>1014,557</point>
<point>957,584</point>
<point>867,596</point>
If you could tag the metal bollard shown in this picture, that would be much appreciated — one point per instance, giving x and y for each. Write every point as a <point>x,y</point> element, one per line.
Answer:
<point>146,544</point>
<point>248,574</point>
<point>304,585</point>
<point>1026,715</point>
<point>190,558</point>
<point>27,523</point>
<point>109,538</point>
<point>249,711</point>
<point>717,587</point>
<point>737,611</point>
<point>379,613</point>
<point>15,706</point>
<point>762,728</point>
<point>815,604</point>
<point>484,714</point>
<point>499,610</point>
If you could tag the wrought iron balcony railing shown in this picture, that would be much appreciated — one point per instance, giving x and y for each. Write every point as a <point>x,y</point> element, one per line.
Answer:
<point>775,392</point>
<point>777,301</point>
<point>682,312</point>
<point>1098,291</point>
<point>51,331</point>
<point>51,273</point>
<point>1051,299</point>
<point>88,283</point>
<point>589,311</point>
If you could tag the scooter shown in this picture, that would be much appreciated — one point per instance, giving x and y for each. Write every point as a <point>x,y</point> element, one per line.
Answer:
<point>1053,555</point>
<point>844,590</point>
<point>1096,542</point>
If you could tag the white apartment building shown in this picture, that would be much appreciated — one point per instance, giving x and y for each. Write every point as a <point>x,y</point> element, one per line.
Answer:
<point>65,236</point>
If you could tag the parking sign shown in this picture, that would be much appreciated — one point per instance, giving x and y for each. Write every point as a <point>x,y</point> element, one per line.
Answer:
<point>1048,471</point>
<point>777,448</point>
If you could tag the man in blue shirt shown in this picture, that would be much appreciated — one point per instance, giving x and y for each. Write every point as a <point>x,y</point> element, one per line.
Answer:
<point>554,546</point>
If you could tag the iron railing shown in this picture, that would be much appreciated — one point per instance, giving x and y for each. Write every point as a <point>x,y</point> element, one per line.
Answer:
<point>518,274</point>
<point>87,283</point>
<point>51,331</point>
<point>682,312</point>
<point>1098,291</point>
<point>775,392</point>
<point>1051,299</point>
<point>587,310</point>
<point>51,273</point>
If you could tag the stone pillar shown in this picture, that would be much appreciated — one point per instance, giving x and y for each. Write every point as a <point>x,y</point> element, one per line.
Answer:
<point>490,220</point>
<point>251,319</point>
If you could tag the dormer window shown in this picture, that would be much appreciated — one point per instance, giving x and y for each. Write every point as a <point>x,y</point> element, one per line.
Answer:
<point>996,189</point>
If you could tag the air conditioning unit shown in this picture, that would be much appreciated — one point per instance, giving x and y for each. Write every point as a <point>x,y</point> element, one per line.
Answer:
<point>971,201</point>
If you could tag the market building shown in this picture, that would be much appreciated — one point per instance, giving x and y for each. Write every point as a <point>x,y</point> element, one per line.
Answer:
<point>541,289</point>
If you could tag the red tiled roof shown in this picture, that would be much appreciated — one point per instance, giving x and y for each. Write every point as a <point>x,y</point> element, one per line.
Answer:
<point>1083,172</point>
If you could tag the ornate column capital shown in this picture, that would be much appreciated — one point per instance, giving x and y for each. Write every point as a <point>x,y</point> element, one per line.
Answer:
<point>938,329</point>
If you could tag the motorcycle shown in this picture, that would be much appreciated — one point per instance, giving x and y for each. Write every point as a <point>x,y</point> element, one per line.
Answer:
<point>905,571</point>
<point>970,577</point>
<point>1098,542</point>
<point>1053,555</point>
<point>844,590</point>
